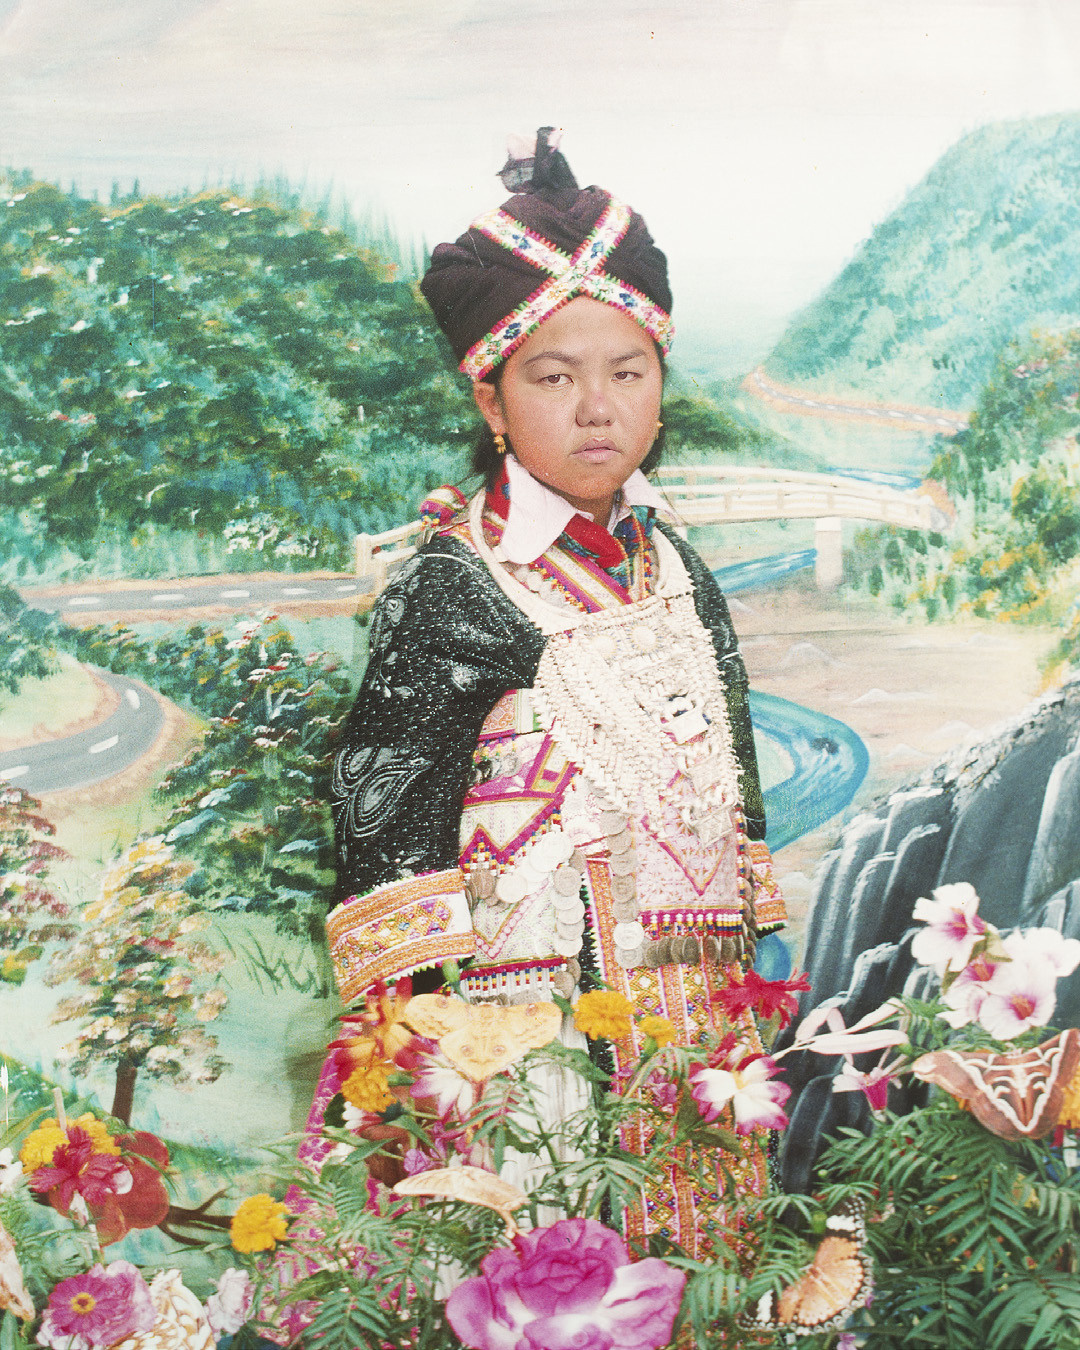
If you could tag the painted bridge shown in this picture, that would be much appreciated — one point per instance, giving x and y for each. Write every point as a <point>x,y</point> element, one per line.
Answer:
<point>706,494</point>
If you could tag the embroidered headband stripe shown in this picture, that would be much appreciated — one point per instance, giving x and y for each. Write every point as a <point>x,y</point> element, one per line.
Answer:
<point>584,273</point>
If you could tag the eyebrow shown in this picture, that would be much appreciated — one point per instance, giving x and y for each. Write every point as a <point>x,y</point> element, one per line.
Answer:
<point>569,360</point>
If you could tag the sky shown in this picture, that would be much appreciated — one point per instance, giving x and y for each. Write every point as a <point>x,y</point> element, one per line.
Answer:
<point>761,139</point>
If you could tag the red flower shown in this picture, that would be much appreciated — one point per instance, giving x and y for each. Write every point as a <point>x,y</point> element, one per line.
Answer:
<point>121,1193</point>
<point>146,1204</point>
<point>766,998</point>
<point>77,1169</point>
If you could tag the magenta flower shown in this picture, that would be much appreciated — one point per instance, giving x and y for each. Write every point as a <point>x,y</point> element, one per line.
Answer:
<point>952,927</point>
<point>751,1089</point>
<point>874,1084</point>
<point>97,1309</point>
<point>568,1287</point>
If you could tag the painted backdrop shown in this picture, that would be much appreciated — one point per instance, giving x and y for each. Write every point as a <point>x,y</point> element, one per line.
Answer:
<point>217,372</point>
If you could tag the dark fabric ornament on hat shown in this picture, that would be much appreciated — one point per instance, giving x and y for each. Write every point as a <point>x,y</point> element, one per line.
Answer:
<point>551,242</point>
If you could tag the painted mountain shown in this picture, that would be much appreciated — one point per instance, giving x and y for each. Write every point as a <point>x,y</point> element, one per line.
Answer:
<point>985,250</point>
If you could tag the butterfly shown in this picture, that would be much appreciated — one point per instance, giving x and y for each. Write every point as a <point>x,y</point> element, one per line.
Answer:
<point>471,1184</point>
<point>1017,1095</point>
<point>481,1039</point>
<point>13,1293</point>
<point>837,1280</point>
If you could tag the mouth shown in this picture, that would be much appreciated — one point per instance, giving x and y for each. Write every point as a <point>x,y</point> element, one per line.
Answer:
<point>597,452</point>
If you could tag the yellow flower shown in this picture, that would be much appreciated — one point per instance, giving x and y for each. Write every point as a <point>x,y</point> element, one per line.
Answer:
<point>368,1088</point>
<point>259,1224</point>
<point>1070,1107</point>
<point>602,1014</point>
<point>100,1139</point>
<point>40,1145</point>
<point>659,1028</point>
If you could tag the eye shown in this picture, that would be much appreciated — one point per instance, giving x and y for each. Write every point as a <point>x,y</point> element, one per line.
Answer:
<point>627,376</point>
<point>555,381</point>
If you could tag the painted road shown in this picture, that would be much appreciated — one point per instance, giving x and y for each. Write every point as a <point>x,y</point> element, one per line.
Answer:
<point>885,414</point>
<point>159,599</point>
<point>90,756</point>
<point>830,761</point>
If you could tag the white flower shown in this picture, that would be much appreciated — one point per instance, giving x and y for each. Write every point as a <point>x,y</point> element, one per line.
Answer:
<point>953,927</point>
<point>229,1308</point>
<point>11,1171</point>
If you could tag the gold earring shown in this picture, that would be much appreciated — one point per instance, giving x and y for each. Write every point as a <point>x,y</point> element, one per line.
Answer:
<point>500,443</point>
<point>659,424</point>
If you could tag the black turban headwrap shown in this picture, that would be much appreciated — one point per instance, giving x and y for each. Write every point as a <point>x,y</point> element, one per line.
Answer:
<point>551,242</point>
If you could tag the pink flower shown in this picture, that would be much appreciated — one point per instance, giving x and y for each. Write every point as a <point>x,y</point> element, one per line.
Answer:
<point>1019,996</point>
<point>97,1309</point>
<point>874,1084</point>
<point>1046,948</point>
<point>568,1287</point>
<point>229,1307</point>
<point>1016,991</point>
<point>953,927</point>
<point>750,1088</point>
<point>861,1037</point>
<point>965,996</point>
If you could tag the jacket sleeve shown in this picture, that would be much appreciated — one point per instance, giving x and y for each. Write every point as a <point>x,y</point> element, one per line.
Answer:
<point>713,612</point>
<point>445,645</point>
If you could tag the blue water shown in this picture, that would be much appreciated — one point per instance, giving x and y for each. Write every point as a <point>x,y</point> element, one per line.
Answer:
<point>746,576</point>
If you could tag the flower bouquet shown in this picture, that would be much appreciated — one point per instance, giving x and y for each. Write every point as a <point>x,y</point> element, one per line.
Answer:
<point>473,1186</point>
<point>974,1196</point>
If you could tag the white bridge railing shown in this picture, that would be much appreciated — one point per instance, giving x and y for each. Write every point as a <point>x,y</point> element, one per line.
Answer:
<point>703,494</point>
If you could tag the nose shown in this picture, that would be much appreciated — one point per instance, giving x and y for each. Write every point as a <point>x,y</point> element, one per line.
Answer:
<point>594,404</point>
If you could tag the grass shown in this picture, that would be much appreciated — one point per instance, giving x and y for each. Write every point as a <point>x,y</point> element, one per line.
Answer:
<point>43,709</point>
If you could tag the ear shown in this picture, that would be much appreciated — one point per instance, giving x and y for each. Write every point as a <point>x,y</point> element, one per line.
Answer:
<point>487,400</point>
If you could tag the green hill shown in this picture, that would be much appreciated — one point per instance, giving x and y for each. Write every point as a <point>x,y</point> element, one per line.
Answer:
<point>985,249</point>
<point>218,381</point>
<point>215,366</point>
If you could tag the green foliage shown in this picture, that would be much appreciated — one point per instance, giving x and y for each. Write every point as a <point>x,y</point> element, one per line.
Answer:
<point>984,249</point>
<point>1013,477</point>
<point>211,364</point>
<point>979,1244</point>
<point>250,801</point>
<point>27,651</point>
<point>30,913</point>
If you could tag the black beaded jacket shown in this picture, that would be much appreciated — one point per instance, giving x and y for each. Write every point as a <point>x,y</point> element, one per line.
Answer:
<point>445,644</point>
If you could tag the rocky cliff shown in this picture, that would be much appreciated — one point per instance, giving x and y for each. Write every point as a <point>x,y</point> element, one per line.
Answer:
<point>1003,815</point>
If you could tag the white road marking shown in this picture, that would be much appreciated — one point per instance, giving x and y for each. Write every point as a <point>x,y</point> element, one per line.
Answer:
<point>133,698</point>
<point>235,595</point>
<point>295,590</point>
<point>166,595</point>
<point>16,772</point>
<point>104,745</point>
<point>85,600</point>
<point>346,590</point>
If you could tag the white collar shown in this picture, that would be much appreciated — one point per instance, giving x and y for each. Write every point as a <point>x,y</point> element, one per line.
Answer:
<point>538,515</point>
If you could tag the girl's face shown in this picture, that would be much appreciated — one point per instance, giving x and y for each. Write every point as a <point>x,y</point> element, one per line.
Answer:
<point>579,402</point>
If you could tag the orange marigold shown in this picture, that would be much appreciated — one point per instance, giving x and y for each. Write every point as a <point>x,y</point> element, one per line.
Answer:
<point>368,1088</point>
<point>101,1141</point>
<point>259,1224</point>
<point>40,1145</point>
<point>1070,1106</point>
<point>659,1028</point>
<point>602,1014</point>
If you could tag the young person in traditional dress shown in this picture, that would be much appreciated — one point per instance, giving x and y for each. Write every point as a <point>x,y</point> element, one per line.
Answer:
<point>549,772</point>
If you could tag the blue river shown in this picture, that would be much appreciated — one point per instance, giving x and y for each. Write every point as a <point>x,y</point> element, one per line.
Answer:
<point>828,760</point>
